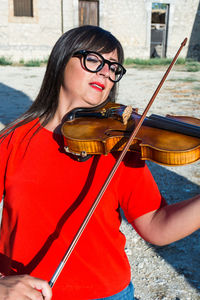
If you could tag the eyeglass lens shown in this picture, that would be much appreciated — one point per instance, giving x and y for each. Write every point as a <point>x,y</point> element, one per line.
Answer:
<point>94,63</point>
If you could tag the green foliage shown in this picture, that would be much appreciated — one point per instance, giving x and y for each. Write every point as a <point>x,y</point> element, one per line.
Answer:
<point>45,61</point>
<point>32,63</point>
<point>21,62</point>
<point>197,88</point>
<point>153,61</point>
<point>181,61</point>
<point>189,65</point>
<point>35,62</point>
<point>187,79</point>
<point>5,61</point>
<point>192,66</point>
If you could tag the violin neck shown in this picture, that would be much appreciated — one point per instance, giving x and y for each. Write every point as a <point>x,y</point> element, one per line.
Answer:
<point>96,113</point>
<point>172,125</point>
<point>156,121</point>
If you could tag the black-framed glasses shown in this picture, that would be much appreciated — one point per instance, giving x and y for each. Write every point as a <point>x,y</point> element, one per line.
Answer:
<point>94,62</point>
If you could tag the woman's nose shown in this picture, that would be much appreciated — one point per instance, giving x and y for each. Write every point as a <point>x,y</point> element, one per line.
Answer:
<point>105,71</point>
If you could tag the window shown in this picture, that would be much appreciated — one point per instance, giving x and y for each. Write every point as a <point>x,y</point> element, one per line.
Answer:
<point>23,8</point>
<point>88,12</point>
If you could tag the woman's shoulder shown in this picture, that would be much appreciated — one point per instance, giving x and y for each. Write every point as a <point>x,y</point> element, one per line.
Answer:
<point>18,131</point>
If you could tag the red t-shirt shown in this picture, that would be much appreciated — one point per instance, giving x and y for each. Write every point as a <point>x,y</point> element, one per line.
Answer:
<point>48,194</point>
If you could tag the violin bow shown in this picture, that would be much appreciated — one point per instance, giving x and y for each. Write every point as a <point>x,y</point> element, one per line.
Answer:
<point>112,172</point>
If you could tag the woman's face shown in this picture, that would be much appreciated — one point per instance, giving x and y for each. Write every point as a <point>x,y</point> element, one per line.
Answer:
<point>82,88</point>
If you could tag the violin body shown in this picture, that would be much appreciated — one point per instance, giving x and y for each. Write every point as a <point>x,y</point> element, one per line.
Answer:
<point>90,134</point>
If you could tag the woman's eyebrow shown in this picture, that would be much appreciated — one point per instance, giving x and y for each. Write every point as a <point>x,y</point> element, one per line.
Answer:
<point>110,58</point>
<point>113,59</point>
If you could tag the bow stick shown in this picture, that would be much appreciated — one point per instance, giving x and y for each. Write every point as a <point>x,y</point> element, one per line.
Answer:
<point>111,174</point>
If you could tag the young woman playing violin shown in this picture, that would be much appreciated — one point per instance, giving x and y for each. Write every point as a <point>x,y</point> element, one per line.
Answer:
<point>47,192</point>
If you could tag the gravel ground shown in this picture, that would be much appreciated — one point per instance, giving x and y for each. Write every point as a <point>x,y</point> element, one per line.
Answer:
<point>169,272</point>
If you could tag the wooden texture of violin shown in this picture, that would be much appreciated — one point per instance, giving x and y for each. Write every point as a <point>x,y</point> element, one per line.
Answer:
<point>89,135</point>
<point>189,120</point>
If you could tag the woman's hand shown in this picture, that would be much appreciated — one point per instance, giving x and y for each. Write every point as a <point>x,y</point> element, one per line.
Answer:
<point>24,287</point>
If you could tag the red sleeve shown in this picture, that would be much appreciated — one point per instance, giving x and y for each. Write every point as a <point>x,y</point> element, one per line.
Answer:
<point>140,192</point>
<point>4,154</point>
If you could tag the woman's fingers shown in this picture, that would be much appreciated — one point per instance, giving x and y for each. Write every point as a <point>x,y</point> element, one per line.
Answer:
<point>42,286</point>
<point>24,287</point>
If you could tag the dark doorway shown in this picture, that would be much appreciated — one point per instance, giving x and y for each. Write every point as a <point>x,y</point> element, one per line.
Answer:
<point>194,41</point>
<point>88,12</point>
<point>159,29</point>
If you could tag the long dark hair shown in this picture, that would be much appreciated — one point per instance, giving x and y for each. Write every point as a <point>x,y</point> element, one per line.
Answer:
<point>85,37</point>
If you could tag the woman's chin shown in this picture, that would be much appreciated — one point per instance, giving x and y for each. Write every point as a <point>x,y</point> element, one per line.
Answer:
<point>96,102</point>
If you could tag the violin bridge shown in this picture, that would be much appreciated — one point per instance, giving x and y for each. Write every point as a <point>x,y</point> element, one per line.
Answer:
<point>126,114</point>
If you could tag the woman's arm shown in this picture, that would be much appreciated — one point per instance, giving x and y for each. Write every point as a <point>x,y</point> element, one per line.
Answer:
<point>24,287</point>
<point>170,223</point>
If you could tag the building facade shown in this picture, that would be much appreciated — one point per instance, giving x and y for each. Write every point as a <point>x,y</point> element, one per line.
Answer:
<point>146,28</point>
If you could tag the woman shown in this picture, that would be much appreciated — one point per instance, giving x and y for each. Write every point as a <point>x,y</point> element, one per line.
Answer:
<point>47,193</point>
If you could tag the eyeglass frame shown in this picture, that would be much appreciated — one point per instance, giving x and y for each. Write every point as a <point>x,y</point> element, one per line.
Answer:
<point>84,53</point>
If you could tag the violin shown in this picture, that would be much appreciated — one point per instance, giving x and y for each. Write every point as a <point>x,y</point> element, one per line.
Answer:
<point>170,140</point>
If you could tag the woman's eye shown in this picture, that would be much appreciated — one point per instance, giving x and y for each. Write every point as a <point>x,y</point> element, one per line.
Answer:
<point>113,68</point>
<point>92,59</point>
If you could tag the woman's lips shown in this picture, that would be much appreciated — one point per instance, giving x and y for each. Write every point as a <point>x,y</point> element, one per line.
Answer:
<point>97,85</point>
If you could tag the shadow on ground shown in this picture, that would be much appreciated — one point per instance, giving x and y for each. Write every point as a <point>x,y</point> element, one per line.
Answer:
<point>183,255</point>
<point>12,103</point>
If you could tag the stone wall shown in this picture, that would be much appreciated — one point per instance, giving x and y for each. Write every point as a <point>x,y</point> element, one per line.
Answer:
<point>26,37</point>
<point>183,17</point>
<point>129,20</point>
